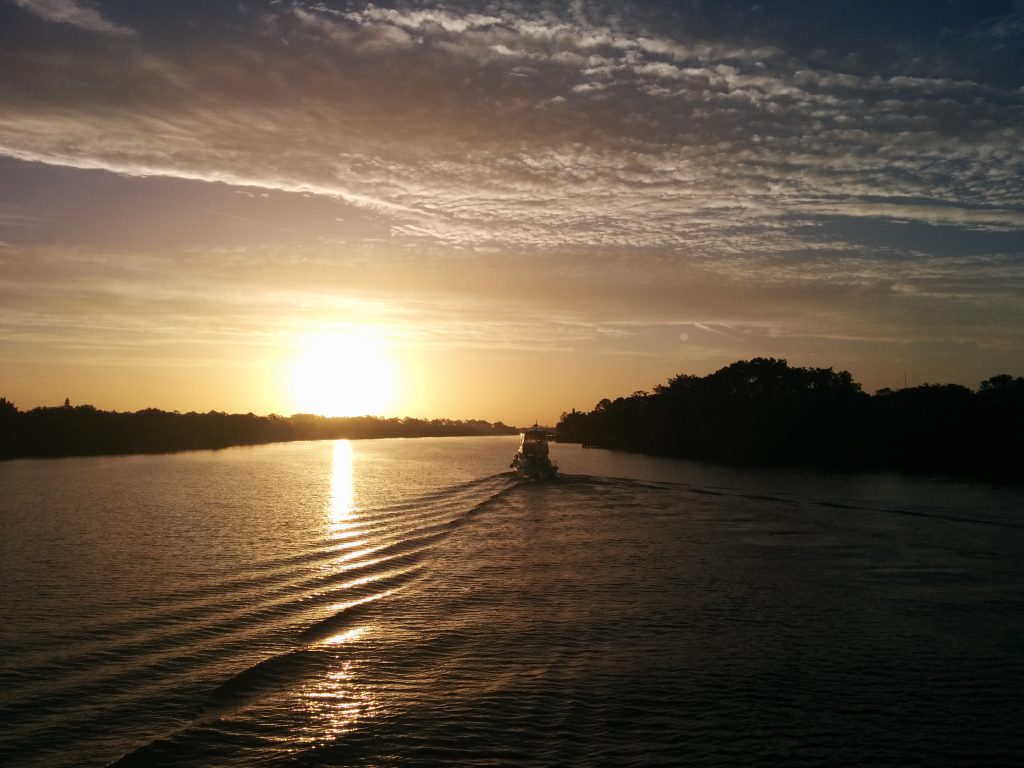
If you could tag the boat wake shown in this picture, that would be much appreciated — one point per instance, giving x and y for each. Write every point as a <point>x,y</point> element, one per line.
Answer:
<point>304,612</point>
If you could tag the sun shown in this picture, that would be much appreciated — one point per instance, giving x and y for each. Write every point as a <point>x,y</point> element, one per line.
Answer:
<point>350,372</point>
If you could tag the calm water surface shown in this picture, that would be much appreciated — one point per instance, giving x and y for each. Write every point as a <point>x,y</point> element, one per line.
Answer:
<point>408,602</point>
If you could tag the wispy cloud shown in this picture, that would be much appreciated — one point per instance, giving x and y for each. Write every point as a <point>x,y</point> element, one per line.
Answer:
<point>532,129</point>
<point>75,13</point>
<point>518,130</point>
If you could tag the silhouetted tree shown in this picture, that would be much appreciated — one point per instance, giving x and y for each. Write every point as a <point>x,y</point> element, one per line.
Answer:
<point>83,430</point>
<point>765,411</point>
<point>1003,383</point>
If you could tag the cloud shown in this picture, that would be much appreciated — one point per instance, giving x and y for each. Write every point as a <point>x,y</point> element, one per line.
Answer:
<point>531,129</point>
<point>15,216</point>
<point>534,180</point>
<point>945,215</point>
<point>74,13</point>
<point>709,329</point>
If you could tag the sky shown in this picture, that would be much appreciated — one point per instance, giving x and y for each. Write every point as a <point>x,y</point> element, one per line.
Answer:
<point>501,210</point>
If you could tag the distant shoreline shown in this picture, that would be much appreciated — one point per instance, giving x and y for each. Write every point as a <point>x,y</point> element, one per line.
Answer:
<point>72,431</point>
<point>762,412</point>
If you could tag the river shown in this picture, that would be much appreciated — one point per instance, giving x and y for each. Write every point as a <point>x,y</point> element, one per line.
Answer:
<point>409,602</point>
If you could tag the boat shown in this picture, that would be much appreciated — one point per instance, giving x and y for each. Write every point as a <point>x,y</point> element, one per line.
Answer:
<point>531,460</point>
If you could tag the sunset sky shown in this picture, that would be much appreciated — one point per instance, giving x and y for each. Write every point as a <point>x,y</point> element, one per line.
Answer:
<point>501,210</point>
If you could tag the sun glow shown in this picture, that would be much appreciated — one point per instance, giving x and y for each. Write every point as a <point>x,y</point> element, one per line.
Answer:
<point>344,373</point>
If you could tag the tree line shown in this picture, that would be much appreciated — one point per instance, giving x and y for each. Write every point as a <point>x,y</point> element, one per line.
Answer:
<point>84,430</point>
<point>764,411</point>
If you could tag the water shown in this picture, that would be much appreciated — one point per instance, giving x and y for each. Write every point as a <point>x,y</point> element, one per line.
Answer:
<point>408,602</point>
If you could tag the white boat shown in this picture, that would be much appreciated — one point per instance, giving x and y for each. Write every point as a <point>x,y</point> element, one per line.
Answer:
<point>531,460</point>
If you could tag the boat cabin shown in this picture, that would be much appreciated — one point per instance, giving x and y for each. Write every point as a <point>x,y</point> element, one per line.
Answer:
<point>534,443</point>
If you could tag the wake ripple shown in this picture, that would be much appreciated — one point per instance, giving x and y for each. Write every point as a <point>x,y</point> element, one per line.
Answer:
<point>278,605</point>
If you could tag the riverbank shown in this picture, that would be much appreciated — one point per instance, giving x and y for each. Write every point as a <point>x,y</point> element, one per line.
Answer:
<point>764,412</point>
<point>86,431</point>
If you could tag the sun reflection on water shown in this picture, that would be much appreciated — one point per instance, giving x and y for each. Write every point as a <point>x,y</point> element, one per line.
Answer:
<point>336,702</point>
<point>342,511</point>
<point>344,637</point>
